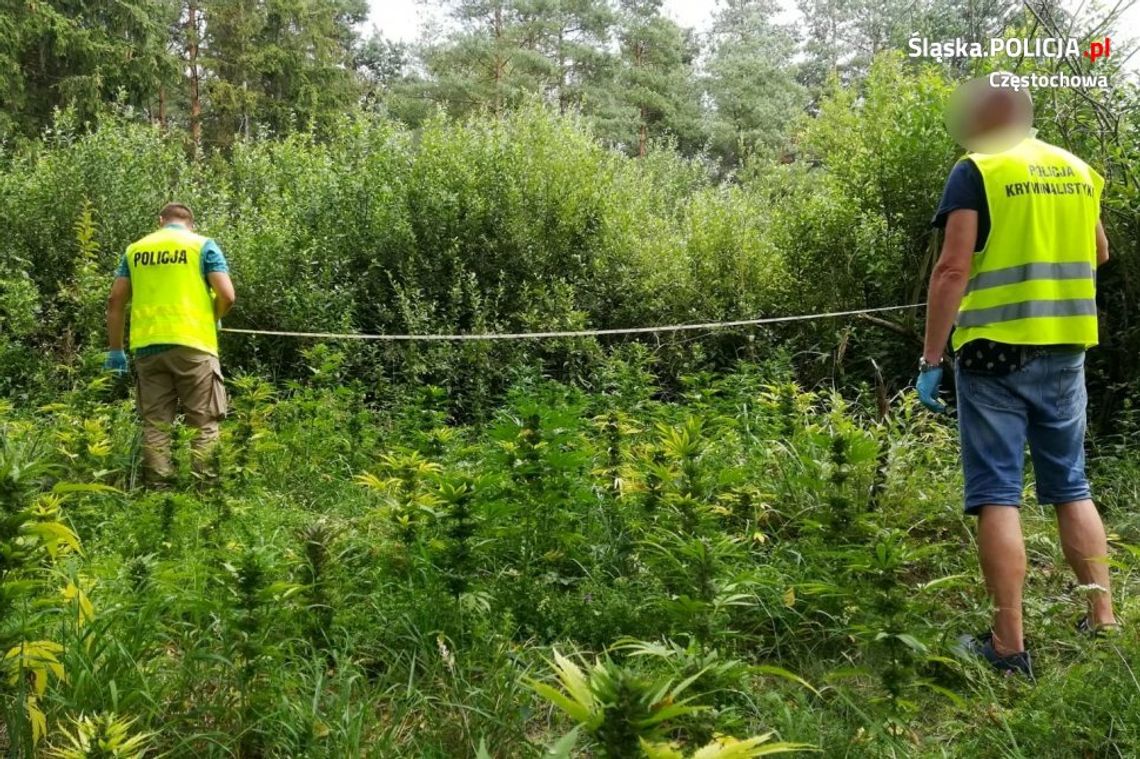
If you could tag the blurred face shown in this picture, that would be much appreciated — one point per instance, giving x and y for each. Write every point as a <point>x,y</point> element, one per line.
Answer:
<point>995,111</point>
<point>987,119</point>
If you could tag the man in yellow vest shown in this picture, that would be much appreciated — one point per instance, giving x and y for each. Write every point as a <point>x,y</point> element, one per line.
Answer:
<point>179,287</point>
<point>1016,281</point>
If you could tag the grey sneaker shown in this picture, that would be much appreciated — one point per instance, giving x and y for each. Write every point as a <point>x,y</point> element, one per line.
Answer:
<point>982,646</point>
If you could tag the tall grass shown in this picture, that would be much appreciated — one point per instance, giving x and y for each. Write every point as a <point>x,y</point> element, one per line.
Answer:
<point>398,586</point>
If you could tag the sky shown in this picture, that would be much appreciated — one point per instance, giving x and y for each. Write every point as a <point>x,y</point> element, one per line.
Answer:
<point>403,19</point>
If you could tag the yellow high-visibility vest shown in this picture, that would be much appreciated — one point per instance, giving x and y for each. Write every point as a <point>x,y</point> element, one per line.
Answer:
<point>171,304</point>
<point>1034,282</point>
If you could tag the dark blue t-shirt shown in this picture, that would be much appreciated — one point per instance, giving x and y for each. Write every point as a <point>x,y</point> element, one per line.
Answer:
<point>965,189</point>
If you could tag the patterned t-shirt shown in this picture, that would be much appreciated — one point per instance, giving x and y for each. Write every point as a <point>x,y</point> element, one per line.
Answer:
<point>987,357</point>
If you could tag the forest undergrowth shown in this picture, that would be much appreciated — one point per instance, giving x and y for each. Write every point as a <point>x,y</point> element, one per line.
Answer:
<point>739,567</point>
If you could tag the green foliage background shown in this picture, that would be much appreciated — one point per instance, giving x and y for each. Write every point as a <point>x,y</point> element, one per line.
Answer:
<point>526,221</point>
<point>372,580</point>
<point>402,535</point>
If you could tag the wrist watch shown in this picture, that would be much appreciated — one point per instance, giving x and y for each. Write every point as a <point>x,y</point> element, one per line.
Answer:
<point>925,366</point>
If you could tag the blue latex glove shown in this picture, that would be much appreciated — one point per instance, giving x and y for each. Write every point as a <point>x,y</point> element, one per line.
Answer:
<point>116,362</point>
<point>928,384</point>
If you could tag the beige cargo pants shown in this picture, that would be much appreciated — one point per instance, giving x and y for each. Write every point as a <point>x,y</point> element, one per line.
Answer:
<point>178,377</point>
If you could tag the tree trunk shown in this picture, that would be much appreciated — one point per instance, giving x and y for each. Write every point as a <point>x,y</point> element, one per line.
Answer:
<point>192,59</point>
<point>562,101</point>
<point>245,109</point>
<point>500,64</point>
<point>643,112</point>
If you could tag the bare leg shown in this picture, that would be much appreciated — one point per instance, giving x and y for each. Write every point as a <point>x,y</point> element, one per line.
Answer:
<point>1002,553</point>
<point>1086,548</point>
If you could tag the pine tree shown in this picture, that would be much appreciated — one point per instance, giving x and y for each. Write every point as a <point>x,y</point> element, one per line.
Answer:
<point>80,54</point>
<point>493,59</point>
<point>654,94</point>
<point>278,64</point>
<point>843,36</point>
<point>577,35</point>
<point>750,80</point>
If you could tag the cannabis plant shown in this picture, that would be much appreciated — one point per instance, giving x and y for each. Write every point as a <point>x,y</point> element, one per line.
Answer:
<point>627,716</point>
<point>316,544</point>
<point>103,736</point>
<point>458,521</point>
<point>252,405</point>
<point>695,571</point>
<point>32,536</point>
<point>406,497</point>
<point>616,428</point>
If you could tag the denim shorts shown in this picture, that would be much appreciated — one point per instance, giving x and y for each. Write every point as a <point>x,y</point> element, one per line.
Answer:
<point>1042,403</point>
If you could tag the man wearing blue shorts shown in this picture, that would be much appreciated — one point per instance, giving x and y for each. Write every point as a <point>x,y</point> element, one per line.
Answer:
<point>1016,281</point>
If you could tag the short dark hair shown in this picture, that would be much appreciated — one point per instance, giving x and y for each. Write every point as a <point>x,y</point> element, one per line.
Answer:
<point>176,212</point>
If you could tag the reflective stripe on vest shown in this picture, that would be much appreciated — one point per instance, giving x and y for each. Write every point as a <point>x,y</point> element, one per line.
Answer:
<point>171,304</point>
<point>1014,274</point>
<point>1034,283</point>
<point>1029,309</point>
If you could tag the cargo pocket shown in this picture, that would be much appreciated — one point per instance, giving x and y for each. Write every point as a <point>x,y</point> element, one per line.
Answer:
<point>219,402</point>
